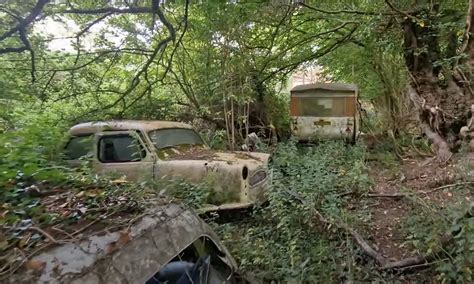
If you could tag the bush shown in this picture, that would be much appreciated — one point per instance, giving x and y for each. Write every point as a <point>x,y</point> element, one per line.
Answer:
<point>285,240</point>
<point>32,148</point>
<point>455,260</point>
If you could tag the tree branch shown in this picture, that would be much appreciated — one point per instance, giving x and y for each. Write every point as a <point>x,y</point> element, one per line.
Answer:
<point>91,24</point>
<point>468,46</point>
<point>136,79</point>
<point>107,10</point>
<point>336,12</point>
<point>12,49</point>
<point>290,67</point>
<point>27,45</point>
<point>403,13</point>
<point>23,24</point>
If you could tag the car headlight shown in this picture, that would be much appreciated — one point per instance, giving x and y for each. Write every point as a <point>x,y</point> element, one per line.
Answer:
<point>257,177</point>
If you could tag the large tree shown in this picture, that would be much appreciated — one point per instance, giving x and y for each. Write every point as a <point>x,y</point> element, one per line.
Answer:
<point>440,67</point>
<point>235,53</point>
<point>116,45</point>
<point>435,40</point>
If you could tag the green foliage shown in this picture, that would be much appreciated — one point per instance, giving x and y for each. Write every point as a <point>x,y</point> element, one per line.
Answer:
<point>431,231</point>
<point>215,139</point>
<point>460,267</point>
<point>31,147</point>
<point>192,194</point>
<point>277,108</point>
<point>286,240</point>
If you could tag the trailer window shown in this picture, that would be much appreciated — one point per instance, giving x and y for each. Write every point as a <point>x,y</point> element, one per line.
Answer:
<point>322,106</point>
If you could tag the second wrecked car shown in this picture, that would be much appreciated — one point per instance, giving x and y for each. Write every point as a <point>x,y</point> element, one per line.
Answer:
<point>167,244</point>
<point>142,150</point>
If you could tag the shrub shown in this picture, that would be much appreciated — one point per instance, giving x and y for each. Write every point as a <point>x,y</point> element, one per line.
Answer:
<point>285,240</point>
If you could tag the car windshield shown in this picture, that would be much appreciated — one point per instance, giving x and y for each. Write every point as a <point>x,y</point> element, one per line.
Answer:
<point>173,137</point>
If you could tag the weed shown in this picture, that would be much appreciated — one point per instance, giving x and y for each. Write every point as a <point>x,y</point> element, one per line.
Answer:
<point>285,240</point>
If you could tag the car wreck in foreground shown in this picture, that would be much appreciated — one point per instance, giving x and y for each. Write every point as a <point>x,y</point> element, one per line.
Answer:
<point>167,244</point>
<point>144,150</point>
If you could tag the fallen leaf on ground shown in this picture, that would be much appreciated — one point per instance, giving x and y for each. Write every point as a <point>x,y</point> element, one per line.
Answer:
<point>35,265</point>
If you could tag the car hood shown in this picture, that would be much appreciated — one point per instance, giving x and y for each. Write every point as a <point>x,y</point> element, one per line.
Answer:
<point>147,247</point>
<point>204,154</point>
<point>253,158</point>
<point>228,173</point>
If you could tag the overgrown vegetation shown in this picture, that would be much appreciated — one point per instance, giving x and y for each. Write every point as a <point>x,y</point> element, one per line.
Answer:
<point>286,240</point>
<point>447,232</point>
<point>289,241</point>
<point>227,68</point>
<point>45,203</point>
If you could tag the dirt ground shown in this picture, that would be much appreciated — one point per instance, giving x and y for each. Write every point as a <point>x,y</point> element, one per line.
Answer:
<point>425,178</point>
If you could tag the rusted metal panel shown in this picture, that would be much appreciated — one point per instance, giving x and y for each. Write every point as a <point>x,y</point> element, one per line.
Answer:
<point>350,106</point>
<point>310,128</point>
<point>294,106</point>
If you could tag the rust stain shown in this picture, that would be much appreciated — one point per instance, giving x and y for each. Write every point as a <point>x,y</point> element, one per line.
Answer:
<point>322,122</point>
<point>123,239</point>
<point>294,106</point>
<point>350,103</point>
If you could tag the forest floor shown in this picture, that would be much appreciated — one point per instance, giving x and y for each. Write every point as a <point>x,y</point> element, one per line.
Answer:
<point>400,207</point>
<point>405,189</point>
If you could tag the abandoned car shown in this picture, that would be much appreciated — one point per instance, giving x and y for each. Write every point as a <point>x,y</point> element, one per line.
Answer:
<point>143,150</point>
<point>167,244</point>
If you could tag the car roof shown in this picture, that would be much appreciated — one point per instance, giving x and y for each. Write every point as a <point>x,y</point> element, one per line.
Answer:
<point>135,253</point>
<point>325,86</point>
<point>122,125</point>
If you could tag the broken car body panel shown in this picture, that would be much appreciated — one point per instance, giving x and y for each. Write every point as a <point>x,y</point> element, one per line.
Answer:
<point>143,150</point>
<point>157,240</point>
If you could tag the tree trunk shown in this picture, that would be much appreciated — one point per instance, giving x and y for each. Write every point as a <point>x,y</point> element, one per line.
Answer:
<point>443,97</point>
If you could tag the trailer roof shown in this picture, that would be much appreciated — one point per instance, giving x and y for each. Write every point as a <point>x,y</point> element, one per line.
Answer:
<point>326,86</point>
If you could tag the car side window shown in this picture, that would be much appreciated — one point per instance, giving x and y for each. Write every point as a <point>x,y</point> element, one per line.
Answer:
<point>77,147</point>
<point>120,148</point>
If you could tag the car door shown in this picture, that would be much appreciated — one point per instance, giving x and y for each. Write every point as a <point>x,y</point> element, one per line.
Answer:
<point>123,154</point>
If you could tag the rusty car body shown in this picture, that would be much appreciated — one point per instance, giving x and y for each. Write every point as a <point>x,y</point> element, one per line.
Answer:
<point>168,242</point>
<point>157,150</point>
<point>324,111</point>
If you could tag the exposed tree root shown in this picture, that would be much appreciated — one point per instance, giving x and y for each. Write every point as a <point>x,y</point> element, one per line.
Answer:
<point>387,195</point>
<point>408,262</point>
<point>443,151</point>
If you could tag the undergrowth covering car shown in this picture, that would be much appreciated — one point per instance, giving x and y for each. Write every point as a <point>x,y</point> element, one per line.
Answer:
<point>156,150</point>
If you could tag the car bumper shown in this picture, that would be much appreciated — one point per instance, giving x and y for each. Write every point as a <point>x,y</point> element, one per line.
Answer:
<point>225,207</point>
